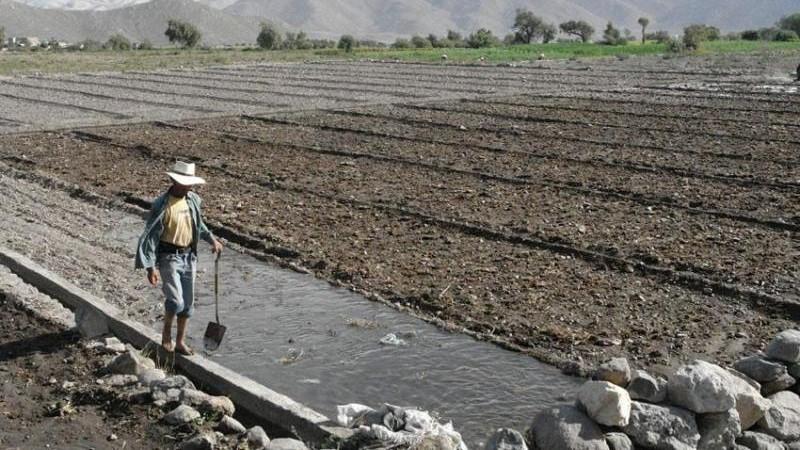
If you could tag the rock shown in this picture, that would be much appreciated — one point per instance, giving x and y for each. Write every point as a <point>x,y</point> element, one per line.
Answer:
<point>793,446</point>
<point>782,419</point>
<point>760,369</point>
<point>129,363</point>
<point>759,441</point>
<point>140,396</point>
<point>565,427</point>
<point>90,323</point>
<point>219,404</point>
<point>286,444</point>
<point>718,431</point>
<point>616,371</point>
<point>783,382</point>
<point>744,377</point>
<point>785,346</point>
<point>173,382</point>
<point>701,387</point>
<point>257,438</point>
<point>229,425</point>
<point>150,376</point>
<point>506,439</point>
<point>648,388</point>
<point>664,427</point>
<point>750,404</point>
<point>182,414</point>
<point>438,442</point>
<point>619,441</point>
<point>606,403</point>
<point>113,345</point>
<point>200,442</point>
<point>192,397</point>
<point>119,380</point>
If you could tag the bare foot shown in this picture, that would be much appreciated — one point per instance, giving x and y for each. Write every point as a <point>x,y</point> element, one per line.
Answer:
<point>168,346</point>
<point>184,349</point>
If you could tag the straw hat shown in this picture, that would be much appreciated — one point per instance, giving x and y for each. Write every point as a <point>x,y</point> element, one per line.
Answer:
<point>183,173</point>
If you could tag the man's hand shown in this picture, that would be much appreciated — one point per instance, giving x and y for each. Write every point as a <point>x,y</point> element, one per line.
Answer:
<point>216,247</point>
<point>152,276</point>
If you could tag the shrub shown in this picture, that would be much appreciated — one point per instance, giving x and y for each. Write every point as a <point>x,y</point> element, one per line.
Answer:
<point>750,35</point>
<point>89,45</point>
<point>2,37</point>
<point>790,22</point>
<point>612,36</point>
<point>420,42</point>
<point>695,35</point>
<point>269,38</point>
<point>347,43</point>
<point>118,42</point>
<point>402,43</point>
<point>183,33</point>
<point>785,36</point>
<point>583,30</point>
<point>661,36</point>
<point>675,46</point>
<point>145,45</point>
<point>482,38</point>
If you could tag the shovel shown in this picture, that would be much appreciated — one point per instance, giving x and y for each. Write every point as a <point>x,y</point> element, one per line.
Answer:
<point>215,330</point>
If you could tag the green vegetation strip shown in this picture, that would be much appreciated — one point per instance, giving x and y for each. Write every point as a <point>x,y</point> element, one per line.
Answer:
<point>48,61</point>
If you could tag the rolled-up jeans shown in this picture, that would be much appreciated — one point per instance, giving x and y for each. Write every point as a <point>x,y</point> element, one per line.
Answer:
<point>177,277</point>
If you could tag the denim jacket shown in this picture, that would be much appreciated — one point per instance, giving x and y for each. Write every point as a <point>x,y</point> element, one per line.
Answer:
<point>148,242</point>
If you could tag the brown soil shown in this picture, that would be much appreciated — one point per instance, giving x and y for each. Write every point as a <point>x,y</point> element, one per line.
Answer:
<point>656,222</point>
<point>36,411</point>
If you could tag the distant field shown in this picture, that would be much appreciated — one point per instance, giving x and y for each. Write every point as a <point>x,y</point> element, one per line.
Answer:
<point>12,63</point>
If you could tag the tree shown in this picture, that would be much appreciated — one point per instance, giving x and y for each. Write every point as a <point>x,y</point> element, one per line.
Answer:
<point>580,28</point>
<point>750,35</point>
<point>118,42</point>
<point>482,38</point>
<point>420,42</point>
<point>785,36</point>
<point>346,43</point>
<point>183,33</point>
<point>402,43</point>
<point>549,32</point>
<point>612,36</point>
<point>790,22</point>
<point>435,41</point>
<point>269,38</point>
<point>694,35</point>
<point>2,37</point>
<point>661,36</point>
<point>644,22</point>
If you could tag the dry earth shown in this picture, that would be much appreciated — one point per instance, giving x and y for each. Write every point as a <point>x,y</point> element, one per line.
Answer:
<point>645,208</point>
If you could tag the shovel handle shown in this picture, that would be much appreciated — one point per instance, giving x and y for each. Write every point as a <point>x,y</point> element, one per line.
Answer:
<point>216,285</point>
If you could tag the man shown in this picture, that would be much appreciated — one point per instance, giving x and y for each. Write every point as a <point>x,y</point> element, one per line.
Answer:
<point>168,247</point>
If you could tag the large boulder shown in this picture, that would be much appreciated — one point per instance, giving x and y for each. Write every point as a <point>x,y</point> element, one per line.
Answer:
<point>794,370</point>
<point>782,419</point>
<point>718,431</point>
<point>203,441</point>
<point>257,438</point>
<point>565,427</point>
<point>785,346</point>
<point>618,441</point>
<point>286,444</point>
<point>701,387</point>
<point>662,427</point>
<point>648,388</point>
<point>782,383</point>
<point>759,441</point>
<point>616,371</point>
<point>750,404</point>
<point>229,425</point>
<point>760,368</point>
<point>506,439</point>
<point>606,403</point>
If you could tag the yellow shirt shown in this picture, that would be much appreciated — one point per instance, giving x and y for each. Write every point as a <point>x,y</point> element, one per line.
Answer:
<point>177,223</point>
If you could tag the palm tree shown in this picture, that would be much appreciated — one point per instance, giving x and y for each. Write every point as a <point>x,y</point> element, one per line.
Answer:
<point>644,22</point>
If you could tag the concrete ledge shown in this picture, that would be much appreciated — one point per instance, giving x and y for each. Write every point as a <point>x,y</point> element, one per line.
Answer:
<point>258,400</point>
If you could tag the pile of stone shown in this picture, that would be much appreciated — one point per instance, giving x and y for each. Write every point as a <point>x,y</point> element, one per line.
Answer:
<point>182,402</point>
<point>754,405</point>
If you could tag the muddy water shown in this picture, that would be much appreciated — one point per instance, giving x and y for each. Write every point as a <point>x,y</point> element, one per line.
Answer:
<point>321,346</point>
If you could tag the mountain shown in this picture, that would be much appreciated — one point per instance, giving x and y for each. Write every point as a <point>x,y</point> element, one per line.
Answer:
<point>137,22</point>
<point>388,19</point>
<point>232,21</point>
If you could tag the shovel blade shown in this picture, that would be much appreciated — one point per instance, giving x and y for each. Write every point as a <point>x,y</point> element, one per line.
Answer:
<point>213,337</point>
